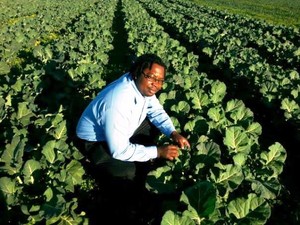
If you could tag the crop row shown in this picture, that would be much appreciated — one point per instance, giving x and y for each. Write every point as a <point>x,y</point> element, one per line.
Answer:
<point>40,166</point>
<point>214,125</point>
<point>267,61</point>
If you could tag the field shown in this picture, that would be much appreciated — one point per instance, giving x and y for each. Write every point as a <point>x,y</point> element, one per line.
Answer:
<point>233,88</point>
<point>277,12</point>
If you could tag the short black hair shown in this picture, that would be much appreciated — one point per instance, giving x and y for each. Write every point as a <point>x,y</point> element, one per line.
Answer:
<point>145,61</point>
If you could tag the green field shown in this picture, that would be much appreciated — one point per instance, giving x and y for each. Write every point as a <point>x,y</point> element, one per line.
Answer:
<point>278,12</point>
<point>232,88</point>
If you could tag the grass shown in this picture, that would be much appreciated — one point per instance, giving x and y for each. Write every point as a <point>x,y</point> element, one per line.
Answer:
<point>277,12</point>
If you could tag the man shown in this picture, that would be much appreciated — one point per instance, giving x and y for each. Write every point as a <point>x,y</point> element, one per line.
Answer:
<point>119,128</point>
<point>114,124</point>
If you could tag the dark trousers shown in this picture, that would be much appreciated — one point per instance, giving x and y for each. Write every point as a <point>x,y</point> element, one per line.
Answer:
<point>122,182</point>
<point>107,166</point>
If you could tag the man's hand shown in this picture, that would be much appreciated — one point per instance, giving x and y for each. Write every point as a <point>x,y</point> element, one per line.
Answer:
<point>168,152</point>
<point>180,140</point>
<point>172,151</point>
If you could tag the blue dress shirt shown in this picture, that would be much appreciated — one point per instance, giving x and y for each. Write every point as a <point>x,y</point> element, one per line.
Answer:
<point>115,114</point>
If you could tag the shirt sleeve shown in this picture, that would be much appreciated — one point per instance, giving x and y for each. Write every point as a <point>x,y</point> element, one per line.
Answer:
<point>117,135</point>
<point>159,117</point>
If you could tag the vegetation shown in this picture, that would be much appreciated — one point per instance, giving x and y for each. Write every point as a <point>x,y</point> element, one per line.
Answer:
<point>277,12</point>
<point>233,89</point>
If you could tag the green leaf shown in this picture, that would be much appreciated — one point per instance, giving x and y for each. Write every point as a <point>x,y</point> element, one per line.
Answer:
<point>59,117</point>
<point>163,97</point>
<point>157,180</point>
<point>170,218</point>
<point>141,48</point>
<point>216,114</point>
<point>254,210</point>
<point>151,39</point>
<point>30,166</point>
<point>234,104</point>
<point>218,91</point>
<point>199,98</point>
<point>202,197</point>
<point>237,140</point>
<point>208,51</point>
<point>48,53</point>
<point>274,159</point>
<point>18,86</point>
<point>38,52</point>
<point>230,178</point>
<point>52,209</point>
<point>24,114</point>
<point>8,100</point>
<point>48,151</point>
<point>289,105</point>
<point>75,172</point>
<point>8,189</point>
<point>268,88</point>
<point>238,111</point>
<point>294,75</point>
<point>60,131</point>
<point>12,155</point>
<point>241,114</point>
<point>4,68</point>
<point>15,150</point>
<point>49,194</point>
<point>192,214</point>
<point>254,129</point>
<point>176,123</point>
<point>205,155</point>
<point>182,107</point>
<point>191,81</point>
<point>268,189</point>
<point>196,126</point>
<point>295,93</point>
<point>297,52</point>
<point>239,159</point>
<point>285,81</point>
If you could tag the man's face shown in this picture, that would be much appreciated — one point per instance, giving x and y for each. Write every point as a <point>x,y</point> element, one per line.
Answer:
<point>151,80</point>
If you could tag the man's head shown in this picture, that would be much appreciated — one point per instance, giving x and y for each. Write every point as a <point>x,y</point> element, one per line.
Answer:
<point>148,71</point>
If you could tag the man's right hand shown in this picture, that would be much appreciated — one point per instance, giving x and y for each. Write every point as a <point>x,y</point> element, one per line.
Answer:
<point>168,152</point>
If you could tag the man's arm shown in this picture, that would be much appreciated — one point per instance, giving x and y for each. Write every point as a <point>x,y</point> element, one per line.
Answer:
<point>118,130</point>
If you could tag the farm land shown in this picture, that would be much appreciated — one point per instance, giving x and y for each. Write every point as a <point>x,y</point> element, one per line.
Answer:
<point>278,12</point>
<point>233,89</point>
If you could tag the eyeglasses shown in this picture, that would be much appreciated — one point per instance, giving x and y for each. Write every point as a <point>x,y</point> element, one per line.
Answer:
<point>152,78</point>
